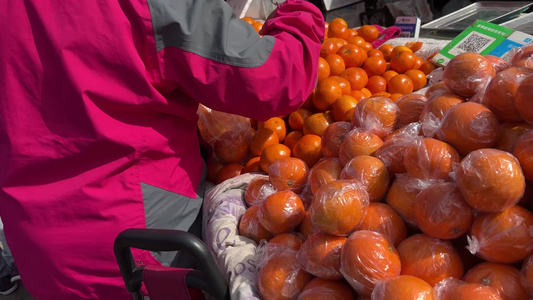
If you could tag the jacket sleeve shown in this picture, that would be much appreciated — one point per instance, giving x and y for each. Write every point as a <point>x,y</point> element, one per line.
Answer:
<point>219,60</point>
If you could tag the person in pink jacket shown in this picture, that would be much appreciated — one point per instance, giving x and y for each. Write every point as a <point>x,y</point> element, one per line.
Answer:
<point>98,123</point>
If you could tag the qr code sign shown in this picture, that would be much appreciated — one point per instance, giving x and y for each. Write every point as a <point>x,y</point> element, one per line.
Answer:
<point>473,42</point>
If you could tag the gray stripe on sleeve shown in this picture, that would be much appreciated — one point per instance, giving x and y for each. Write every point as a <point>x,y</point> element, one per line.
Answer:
<point>209,29</point>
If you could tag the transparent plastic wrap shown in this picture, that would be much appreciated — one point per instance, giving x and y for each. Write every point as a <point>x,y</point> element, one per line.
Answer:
<point>359,142</point>
<point>456,289</point>
<point>381,218</point>
<point>467,73</point>
<point>430,259</point>
<point>498,63</point>
<point>435,109</point>
<point>371,172</point>
<point>519,53</point>
<point>333,137</point>
<point>324,171</point>
<point>469,126</point>
<point>527,275</point>
<point>510,133</point>
<point>257,190</point>
<point>490,180</point>
<point>289,173</point>
<point>504,279</point>
<point>411,107</point>
<point>403,287</point>
<point>290,240</point>
<point>428,158</point>
<point>377,115</point>
<point>229,134</point>
<point>436,89</point>
<point>281,212</point>
<point>367,258</point>
<point>441,211</point>
<point>280,276</point>
<point>338,207</point>
<point>523,151</point>
<point>320,255</point>
<point>502,237</point>
<point>523,99</point>
<point>500,93</point>
<point>250,227</point>
<point>319,288</point>
<point>402,195</point>
<point>392,151</point>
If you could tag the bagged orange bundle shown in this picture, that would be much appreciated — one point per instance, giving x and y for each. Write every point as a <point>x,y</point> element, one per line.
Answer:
<point>320,255</point>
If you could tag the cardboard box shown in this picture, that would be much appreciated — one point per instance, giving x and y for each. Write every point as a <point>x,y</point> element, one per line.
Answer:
<point>484,38</point>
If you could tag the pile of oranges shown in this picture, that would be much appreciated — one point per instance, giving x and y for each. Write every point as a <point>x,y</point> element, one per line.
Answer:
<point>371,191</point>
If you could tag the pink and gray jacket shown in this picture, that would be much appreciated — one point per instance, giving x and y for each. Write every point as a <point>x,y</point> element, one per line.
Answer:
<point>98,104</point>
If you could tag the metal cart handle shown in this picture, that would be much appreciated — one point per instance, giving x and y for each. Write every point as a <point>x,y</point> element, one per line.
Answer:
<point>208,278</point>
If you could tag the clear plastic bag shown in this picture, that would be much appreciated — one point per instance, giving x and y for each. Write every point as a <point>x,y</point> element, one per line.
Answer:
<point>320,255</point>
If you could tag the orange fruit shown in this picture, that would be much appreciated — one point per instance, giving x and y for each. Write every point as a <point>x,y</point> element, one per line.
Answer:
<point>253,165</point>
<point>414,46</point>
<point>352,55</point>
<point>327,91</point>
<point>418,77</point>
<point>257,26</point>
<point>395,96</point>
<point>288,240</point>
<point>527,273</point>
<point>386,49</point>
<point>319,288</point>
<point>257,190</point>
<point>271,154</point>
<point>249,226</point>
<point>333,137</point>
<point>289,173</point>
<point>263,138</point>
<point>336,64</point>
<point>352,32</point>
<point>320,255</point>
<point>402,196</point>
<point>441,211</point>
<point>403,287</point>
<point>281,277</point>
<point>317,123</point>
<point>213,168</point>
<point>297,118</point>
<point>467,73</point>
<point>368,32</point>
<point>523,99</point>
<point>401,84</point>
<point>338,31</point>
<point>249,20</point>
<point>510,133</point>
<point>324,171</point>
<point>324,70</point>
<point>418,62</point>
<point>375,65</point>
<point>358,142</point>
<point>523,151</point>
<point>232,146</point>
<point>500,93</point>
<point>438,106</point>
<point>397,50</point>
<point>428,158</point>
<point>341,107</point>
<point>376,84</point>
<point>329,46</point>
<point>411,107</point>
<point>490,180</point>
<point>338,207</point>
<point>277,124</point>
<point>469,126</point>
<point>338,21</point>
<point>528,63</point>
<point>308,149</point>
<point>357,40</point>
<point>369,171</point>
<point>392,153</point>
<point>229,171</point>
<point>367,47</point>
<point>382,218</point>
<point>429,258</point>
<point>521,53</point>
<point>497,63</point>
<point>357,77</point>
<point>306,227</point>
<point>437,89</point>
<point>377,115</point>
<point>427,67</point>
<point>358,95</point>
<point>343,83</point>
<point>402,61</point>
<point>281,211</point>
<point>468,291</point>
<point>375,52</point>
<point>367,258</point>
<point>291,138</point>
<point>502,237</point>
<point>367,92</point>
<point>505,279</point>
<point>389,74</point>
